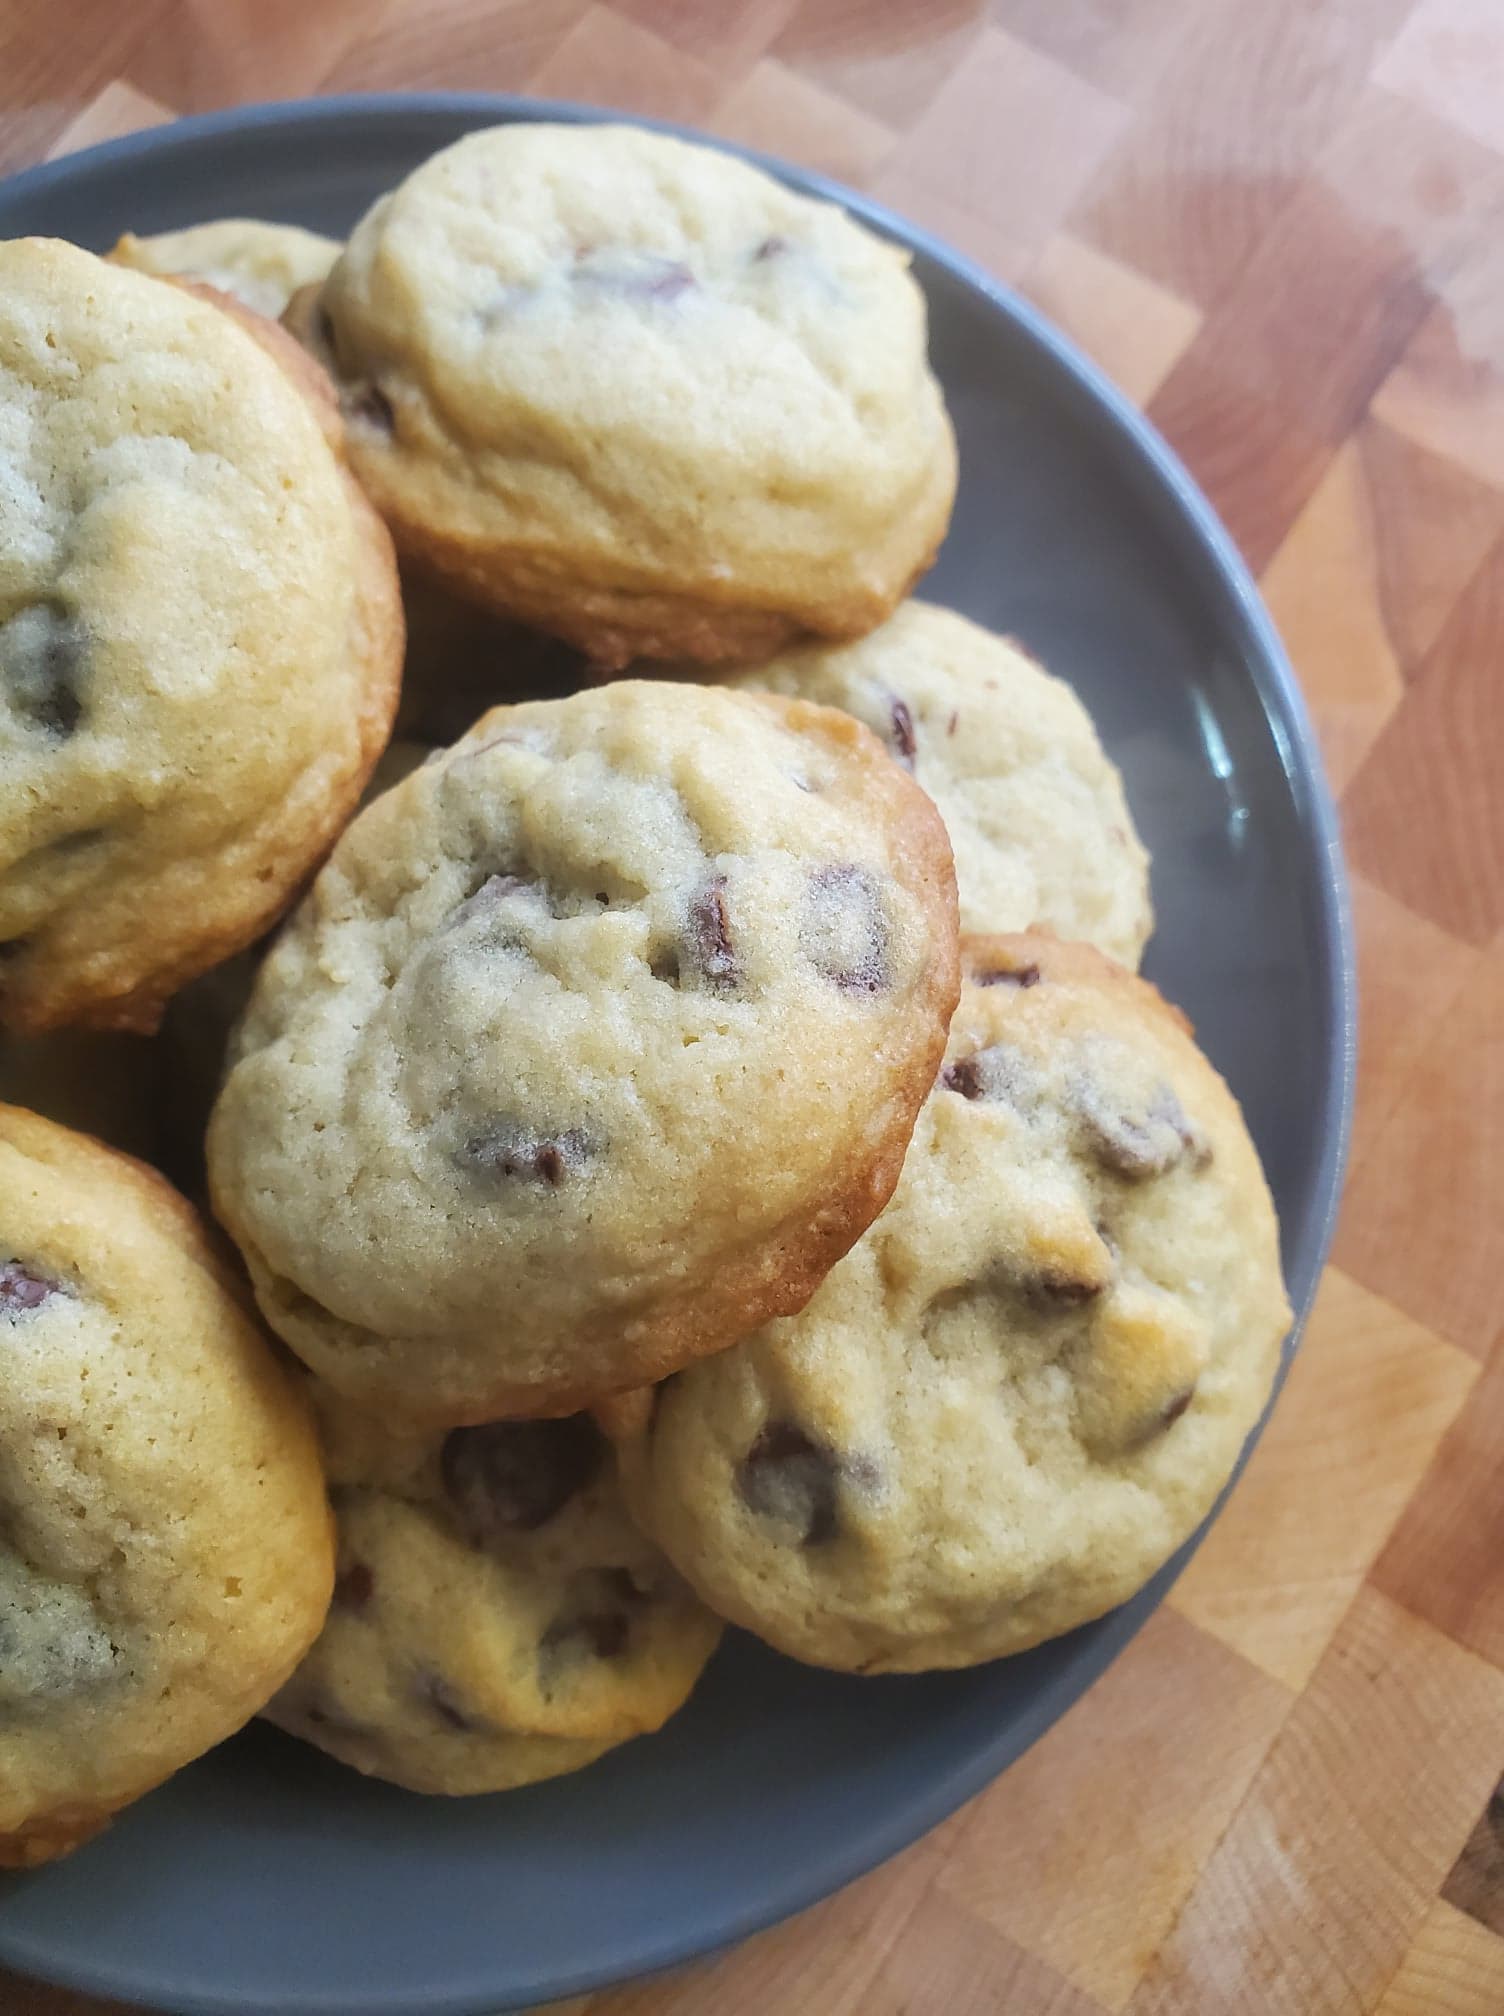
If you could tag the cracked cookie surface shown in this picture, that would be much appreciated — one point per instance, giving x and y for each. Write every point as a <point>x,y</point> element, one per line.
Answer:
<point>1035,811</point>
<point>597,1040</point>
<point>497,1618</point>
<point>1023,1388</point>
<point>200,634</point>
<point>638,393</point>
<point>165,1546</point>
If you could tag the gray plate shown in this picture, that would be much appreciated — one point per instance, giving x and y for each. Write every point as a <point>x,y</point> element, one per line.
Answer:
<point>266,1878</point>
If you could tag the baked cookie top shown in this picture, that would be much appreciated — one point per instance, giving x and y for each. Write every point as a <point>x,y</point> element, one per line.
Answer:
<point>1035,811</point>
<point>1018,1394</point>
<point>497,1618</point>
<point>200,634</point>
<point>599,1037</point>
<point>261,264</point>
<point>165,1546</point>
<point>647,360</point>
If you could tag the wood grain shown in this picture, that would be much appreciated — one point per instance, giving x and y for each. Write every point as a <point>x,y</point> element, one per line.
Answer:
<point>1279,226</point>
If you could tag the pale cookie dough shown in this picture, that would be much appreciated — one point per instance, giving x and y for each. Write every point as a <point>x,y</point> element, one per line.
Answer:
<point>597,1041</point>
<point>166,1555</point>
<point>1012,1401</point>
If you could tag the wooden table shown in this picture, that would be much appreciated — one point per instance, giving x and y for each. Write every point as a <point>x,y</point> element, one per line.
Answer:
<point>1279,224</point>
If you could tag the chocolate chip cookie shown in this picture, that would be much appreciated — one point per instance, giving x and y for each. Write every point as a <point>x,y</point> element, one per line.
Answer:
<point>261,264</point>
<point>497,1618</point>
<point>200,634</point>
<point>639,394</point>
<point>1035,811</point>
<point>165,1547</point>
<point>599,1038</point>
<point>1012,1401</point>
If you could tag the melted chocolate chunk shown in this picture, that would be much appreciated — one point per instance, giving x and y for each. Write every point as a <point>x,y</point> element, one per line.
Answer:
<point>505,1147</point>
<point>996,1073</point>
<point>43,657</point>
<point>514,1476</point>
<point>642,276</point>
<point>704,954</point>
<point>1177,1407</point>
<point>353,1587</point>
<point>372,408</point>
<point>845,933</point>
<point>1138,1145</point>
<point>1006,976</point>
<point>901,734</point>
<point>596,1623</point>
<point>439,1696</point>
<point>964,1076</point>
<point>602,1633</point>
<point>493,891</point>
<point>22,1291</point>
<point>788,1477</point>
<point>1051,1288</point>
<point>1158,1424</point>
<point>707,937</point>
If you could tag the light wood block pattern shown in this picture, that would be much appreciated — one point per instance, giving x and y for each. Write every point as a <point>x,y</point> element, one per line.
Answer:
<point>1279,227</point>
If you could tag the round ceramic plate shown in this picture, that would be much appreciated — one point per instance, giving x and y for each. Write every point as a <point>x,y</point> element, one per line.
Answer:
<point>266,1878</point>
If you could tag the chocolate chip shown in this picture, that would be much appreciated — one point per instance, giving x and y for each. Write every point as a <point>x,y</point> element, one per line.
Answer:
<point>514,1476</point>
<point>707,937</point>
<point>997,1073</point>
<point>494,890</point>
<point>953,723</point>
<point>1177,1407</point>
<point>1138,1145</point>
<point>12,948</point>
<point>372,408</point>
<point>668,284</point>
<point>436,1694</point>
<point>603,1633</point>
<point>354,1587</point>
<point>505,1147</point>
<point>596,1622</point>
<point>1143,1432</point>
<point>1052,1288</point>
<point>772,247</point>
<point>788,1477</point>
<point>964,1076</point>
<point>1006,976</point>
<point>43,655</point>
<point>645,276</point>
<point>902,734</point>
<point>622,1584</point>
<point>22,1291</point>
<point>845,934</point>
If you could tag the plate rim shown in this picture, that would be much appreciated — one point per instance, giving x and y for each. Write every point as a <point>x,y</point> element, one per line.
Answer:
<point>1219,572</point>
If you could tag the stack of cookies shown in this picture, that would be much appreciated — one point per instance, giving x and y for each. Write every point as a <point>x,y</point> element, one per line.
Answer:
<point>698,1147</point>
